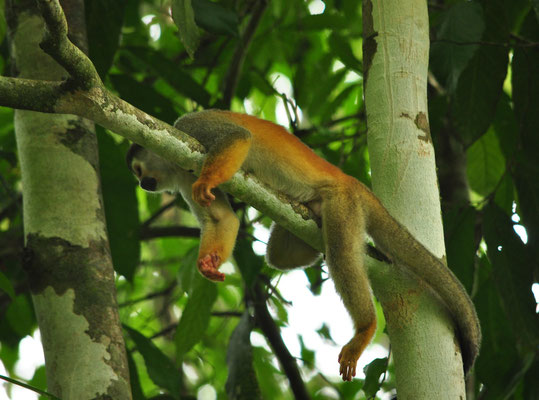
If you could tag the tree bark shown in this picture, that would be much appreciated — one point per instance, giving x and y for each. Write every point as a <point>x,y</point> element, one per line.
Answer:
<point>67,254</point>
<point>428,364</point>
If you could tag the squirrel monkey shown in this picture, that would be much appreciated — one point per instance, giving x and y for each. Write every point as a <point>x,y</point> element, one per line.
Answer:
<point>347,208</point>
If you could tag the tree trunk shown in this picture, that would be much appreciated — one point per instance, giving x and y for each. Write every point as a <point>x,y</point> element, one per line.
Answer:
<point>67,254</point>
<point>428,364</point>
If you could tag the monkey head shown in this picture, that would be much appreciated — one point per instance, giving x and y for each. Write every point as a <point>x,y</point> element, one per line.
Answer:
<point>153,173</point>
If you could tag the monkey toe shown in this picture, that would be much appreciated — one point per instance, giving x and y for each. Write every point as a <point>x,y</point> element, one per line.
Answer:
<point>208,265</point>
<point>348,361</point>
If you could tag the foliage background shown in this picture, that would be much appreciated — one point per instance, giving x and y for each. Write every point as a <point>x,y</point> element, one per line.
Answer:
<point>483,111</point>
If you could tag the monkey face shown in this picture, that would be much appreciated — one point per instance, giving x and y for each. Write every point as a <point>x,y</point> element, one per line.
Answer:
<point>154,173</point>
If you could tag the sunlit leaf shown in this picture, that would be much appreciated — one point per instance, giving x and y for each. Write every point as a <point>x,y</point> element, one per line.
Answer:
<point>486,164</point>
<point>373,372</point>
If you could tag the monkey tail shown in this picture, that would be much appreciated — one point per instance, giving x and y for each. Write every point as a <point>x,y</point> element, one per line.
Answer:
<point>396,241</point>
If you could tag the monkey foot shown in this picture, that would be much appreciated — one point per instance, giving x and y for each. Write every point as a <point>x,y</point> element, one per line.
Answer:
<point>202,193</point>
<point>348,358</point>
<point>208,265</point>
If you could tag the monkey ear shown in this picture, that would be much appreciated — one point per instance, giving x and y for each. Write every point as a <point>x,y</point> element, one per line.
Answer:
<point>131,153</point>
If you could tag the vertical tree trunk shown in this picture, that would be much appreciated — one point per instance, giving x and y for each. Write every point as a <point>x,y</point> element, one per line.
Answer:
<point>67,255</point>
<point>428,364</point>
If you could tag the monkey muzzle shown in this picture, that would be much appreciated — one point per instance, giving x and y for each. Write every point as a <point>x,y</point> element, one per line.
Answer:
<point>149,184</point>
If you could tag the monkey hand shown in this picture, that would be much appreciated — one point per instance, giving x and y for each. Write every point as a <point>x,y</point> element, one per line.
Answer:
<point>202,193</point>
<point>208,265</point>
<point>348,358</point>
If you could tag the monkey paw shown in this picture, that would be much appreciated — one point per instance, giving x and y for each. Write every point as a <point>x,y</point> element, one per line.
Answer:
<point>348,359</point>
<point>202,193</point>
<point>208,265</point>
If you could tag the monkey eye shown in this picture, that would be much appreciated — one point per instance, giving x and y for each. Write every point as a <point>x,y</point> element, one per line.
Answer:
<point>137,170</point>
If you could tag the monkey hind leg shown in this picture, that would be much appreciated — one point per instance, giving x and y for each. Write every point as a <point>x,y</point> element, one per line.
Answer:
<point>286,251</point>
<point>343,227</point>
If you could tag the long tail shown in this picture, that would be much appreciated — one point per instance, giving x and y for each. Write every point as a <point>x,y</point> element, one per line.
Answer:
<point>395,240</point>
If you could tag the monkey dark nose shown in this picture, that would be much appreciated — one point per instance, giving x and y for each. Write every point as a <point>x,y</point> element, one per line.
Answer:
<point>148,184</point>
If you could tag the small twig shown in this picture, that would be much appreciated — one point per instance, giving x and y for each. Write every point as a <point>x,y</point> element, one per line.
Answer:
<point>150,296</point>
<point>158,213</point>
<point>167,231</point>
<point>26,386</point>
<point>522,43</point>
<point>272,333</point>
<point>236,66</point>
<point>227,313</point>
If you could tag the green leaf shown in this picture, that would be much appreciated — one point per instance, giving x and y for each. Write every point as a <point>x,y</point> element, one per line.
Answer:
<point>459,232</point>
<point>500,365</point>
<point>314,275</point>
<point>486,164</point>
<point>2,23</point>
<point>327,20</point>
<point>241,381</point>
<point>340,46</point>
<point>20,315</point>
<point>39,379</point>
<point>215,18</point>
<point>513,271</point>
<point>373,372</point>
<point>248,262</point>
<point>196,315</point>
<point>168,70</point>
<point>505,126</point>
<point>136,389</point>
<point>479,89</point>
<point>161,369</point>
<point>6,286</point>
<point>267,374</point>
<point>325,333</point>
<point>188,270</point>
<point>184,17</point>
<point>144,97</point>
<point>121,207</point>
<point>498,350</point>
<point>307,355</point>
<point>461,23</point>
<point>525,70</point>
<point>104,20</point>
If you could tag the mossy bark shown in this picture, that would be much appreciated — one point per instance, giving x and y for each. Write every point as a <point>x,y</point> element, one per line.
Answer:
<point>67,256</point>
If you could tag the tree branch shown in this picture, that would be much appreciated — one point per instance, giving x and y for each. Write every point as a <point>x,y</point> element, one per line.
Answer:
<point>57,44</point>
<point>148,233</point>
<point>238,58</point>
<point>271,331</point>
